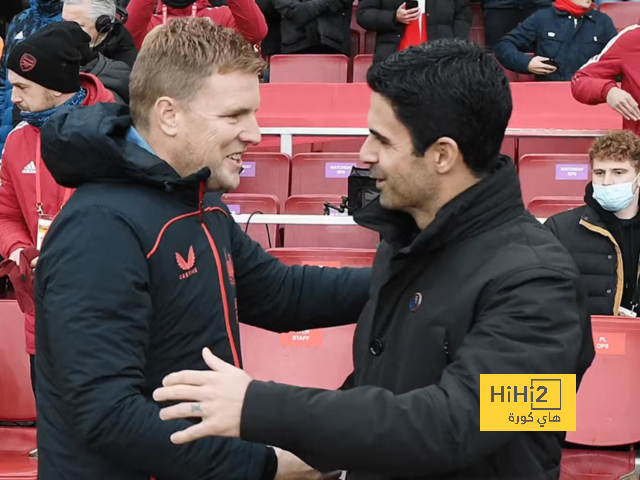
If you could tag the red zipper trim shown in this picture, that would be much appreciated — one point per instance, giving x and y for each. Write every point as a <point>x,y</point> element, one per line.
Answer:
<point>223,292</point>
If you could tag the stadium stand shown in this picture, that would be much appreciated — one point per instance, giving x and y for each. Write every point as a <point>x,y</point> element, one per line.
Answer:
<point>313,358</point>
<point>16,398</point>
<point>549,179</point>
<point>361,64</point>
<point>323,236</point>
<point>322,173</point>
<point>605,415</point>
<point>266,174</point>
<point>309,69</point>
<point>623,14</point>
<point>250,204</point>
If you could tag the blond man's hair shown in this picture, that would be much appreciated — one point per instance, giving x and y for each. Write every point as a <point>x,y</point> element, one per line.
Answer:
<point>176,59</point>
<point>619,146</point>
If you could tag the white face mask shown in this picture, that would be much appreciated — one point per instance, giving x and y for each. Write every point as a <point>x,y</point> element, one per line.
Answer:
<point>616,197</point>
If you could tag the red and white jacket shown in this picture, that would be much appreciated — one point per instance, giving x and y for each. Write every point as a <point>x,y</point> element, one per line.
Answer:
<point>243,16</point>
<point>621,57</point>
<point>18,212</point>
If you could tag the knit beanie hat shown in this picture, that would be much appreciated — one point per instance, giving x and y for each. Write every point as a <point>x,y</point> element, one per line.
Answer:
<point>81,39</point>
<point>48,58</point>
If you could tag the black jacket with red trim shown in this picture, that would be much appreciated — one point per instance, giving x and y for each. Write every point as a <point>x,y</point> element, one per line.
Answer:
<point>134,280</point>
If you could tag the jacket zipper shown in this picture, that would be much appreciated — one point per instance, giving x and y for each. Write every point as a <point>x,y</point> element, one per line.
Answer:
<point>447,354</point>
<point>223,290</point>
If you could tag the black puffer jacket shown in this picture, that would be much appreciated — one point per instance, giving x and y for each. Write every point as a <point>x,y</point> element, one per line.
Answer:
<point>484,289</point>
<point>606,250</point>
<point>113,74</point>
<point>446,19</point>
<point>312,23</point>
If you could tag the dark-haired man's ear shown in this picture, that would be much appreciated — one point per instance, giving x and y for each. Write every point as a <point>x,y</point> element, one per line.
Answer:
<point>446,154</point>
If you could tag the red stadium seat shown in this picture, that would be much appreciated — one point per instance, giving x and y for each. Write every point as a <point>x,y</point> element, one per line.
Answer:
<point>623,14</point>
<point>545,207</point>
<point>322,173</point>
<point>309,69</point>
<point>606,403</point>
<point>546,177</point>
<point>266,174</point>
<point>314,358</point>
<point>247,203</point>
<point>16,398</point>
<point>336,236</point>
<point>537,145</point>
<point>360,66</point>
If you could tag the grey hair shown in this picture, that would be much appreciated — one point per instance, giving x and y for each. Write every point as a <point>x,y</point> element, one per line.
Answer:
<point>98,8</point>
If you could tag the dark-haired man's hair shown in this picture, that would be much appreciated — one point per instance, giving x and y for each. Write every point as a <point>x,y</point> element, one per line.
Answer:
<point>448,88</point>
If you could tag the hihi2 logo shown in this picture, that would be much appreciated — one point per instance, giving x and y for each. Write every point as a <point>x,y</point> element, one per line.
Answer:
<point>527,402</point>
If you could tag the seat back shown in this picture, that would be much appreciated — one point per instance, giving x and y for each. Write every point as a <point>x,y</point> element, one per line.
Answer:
<point>16,396</point>
<point>623,14</point>
<point>545,207</point>
<point>313,358</point>
<point>606,410</point>
<point>477,24</point>
<point>322,173</point>
<point>266,174</point>
<point>245,203</point>
<point>551,176</point>
<point>554,145</point>
<point>334,236</point>
<point>308,69</point>
<point>361,65</point>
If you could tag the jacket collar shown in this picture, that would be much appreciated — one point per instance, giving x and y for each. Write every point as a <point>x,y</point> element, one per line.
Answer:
<point>598,216</point>
<point>561,13</point>
<point>492,201</point>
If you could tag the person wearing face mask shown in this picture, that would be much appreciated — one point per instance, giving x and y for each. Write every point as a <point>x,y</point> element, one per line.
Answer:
<point>604,235</point>
<point>563,38</point>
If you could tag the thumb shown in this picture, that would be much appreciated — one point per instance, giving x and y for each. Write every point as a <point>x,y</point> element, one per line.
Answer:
<point>214,362</point>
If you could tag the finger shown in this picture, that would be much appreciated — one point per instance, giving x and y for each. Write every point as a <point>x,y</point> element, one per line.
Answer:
<point>195,432</point>
<point>188,377</point>
<point>182,410</point>
<point>625,111</point>
<point>620,108</point>
<point>414,11</point>
<point>177,392</point>
<point>216,364</point>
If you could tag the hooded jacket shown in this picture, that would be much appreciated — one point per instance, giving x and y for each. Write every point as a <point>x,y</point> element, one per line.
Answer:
<point>484,289</point>
<point>138,273</point>
<point>243,16</point>
<point>18,215</point>
<point>620,58</point>
<point>25,24</point>
<point>447,19</point>
<point>557,35</point>
<point>119,46</point>
<point>114,76</point>
<point>606,251</point>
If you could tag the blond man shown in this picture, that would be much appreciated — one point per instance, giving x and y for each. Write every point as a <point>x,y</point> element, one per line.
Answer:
<point>142,269</point>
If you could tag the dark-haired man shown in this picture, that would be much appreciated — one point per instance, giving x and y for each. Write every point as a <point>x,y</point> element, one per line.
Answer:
<point>465,282</point>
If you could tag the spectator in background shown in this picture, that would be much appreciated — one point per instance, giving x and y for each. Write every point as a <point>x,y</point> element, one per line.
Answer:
<point>108,36</point>
<point>39,14</point>
<point>45,73</point>
<point>562,38</point>
<point>272,43</point>
<point>604,235</point>
<point>10,8</point>
<point>315,26</point>
<point>390,19</point>
<point>114,75</point>
<point>502,16</point>
<point>244,16</point>
<point>596,83</point>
